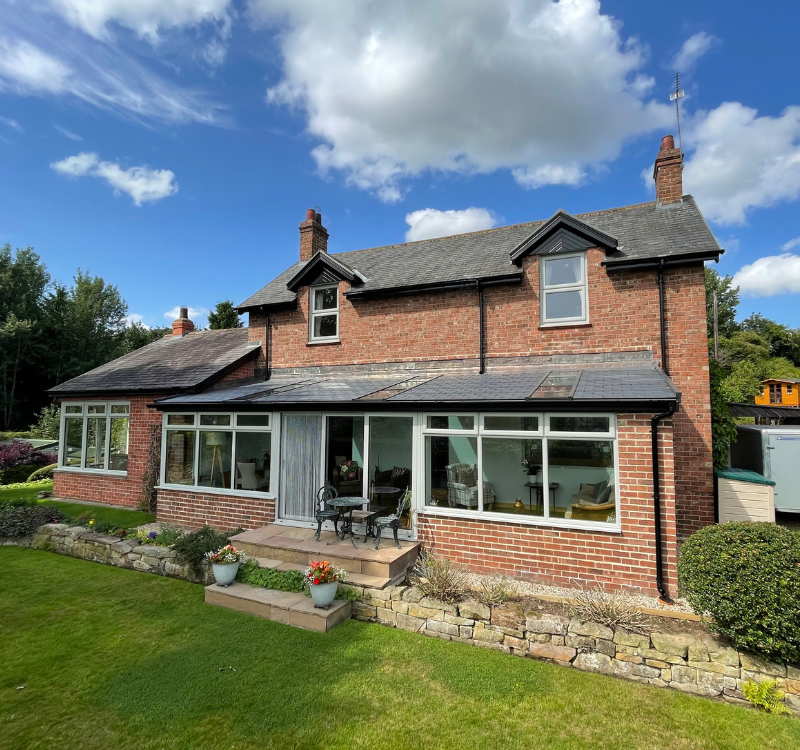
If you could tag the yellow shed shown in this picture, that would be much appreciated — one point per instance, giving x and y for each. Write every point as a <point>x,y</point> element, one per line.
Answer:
<point>744,496</point>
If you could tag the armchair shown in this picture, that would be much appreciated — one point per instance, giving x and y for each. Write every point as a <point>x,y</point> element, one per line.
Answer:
<point>462,487</point>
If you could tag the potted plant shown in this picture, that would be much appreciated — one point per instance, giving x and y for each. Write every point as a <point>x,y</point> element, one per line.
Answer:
<point>323,580</point>
<point>225,564</point>
<point>531,467</point>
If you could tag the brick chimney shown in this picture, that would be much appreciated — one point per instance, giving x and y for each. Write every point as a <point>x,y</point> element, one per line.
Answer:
<point>313,236</point>
<point>182,325</point>
<point>668,172</point>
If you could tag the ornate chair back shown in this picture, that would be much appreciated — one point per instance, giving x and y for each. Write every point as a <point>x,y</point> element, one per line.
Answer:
<point>325,494</point>
<point>403,504</point>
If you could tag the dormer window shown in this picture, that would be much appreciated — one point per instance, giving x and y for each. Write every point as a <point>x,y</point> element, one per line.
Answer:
<point>563,286</point>
<point>324,314</point>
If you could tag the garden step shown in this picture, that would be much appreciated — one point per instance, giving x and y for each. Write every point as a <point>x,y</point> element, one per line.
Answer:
<point>354,579</point>
<point>278,606</point>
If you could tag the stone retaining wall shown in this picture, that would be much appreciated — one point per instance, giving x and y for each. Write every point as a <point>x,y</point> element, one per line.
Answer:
<point>699,665</point>
<point>78,541</point>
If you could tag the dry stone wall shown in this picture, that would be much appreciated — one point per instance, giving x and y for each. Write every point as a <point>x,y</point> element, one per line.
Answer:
<point>699,665</point>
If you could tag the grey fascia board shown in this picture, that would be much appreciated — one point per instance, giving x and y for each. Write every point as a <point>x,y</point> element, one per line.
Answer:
<point>577,226</point>
<point>321,259</point>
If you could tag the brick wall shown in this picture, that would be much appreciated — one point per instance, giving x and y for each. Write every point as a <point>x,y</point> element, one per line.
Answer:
<point>623,560</point>
<point>106,488</point>
<point>195,509</point>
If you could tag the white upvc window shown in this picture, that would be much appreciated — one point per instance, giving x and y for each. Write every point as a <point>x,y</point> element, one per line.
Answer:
<point>323,319</point>
<point>564,294</point>
<point>219,452</point>
<point>94,436</point>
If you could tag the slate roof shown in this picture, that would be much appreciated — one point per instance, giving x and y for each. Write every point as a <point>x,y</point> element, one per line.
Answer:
<point>646,231</point>
<point>529,389</point>
<point>170,364</point>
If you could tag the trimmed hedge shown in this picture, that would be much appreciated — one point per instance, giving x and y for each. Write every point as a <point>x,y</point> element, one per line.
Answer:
<point>747,577</point>
<point>16,520</point>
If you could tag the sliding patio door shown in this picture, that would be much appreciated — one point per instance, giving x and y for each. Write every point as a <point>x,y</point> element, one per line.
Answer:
<point>301,452</point>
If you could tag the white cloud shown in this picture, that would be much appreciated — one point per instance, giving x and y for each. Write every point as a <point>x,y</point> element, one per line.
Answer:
<point>692,50</point>
<point>25,68</point>
<point>12,124</point>
<point>145,17</point>
<point>769,276</point>
<point>198,315</point>
<point>430,222</point>
<point>67,133</point>
<point>134,318</point>
<point>143,184</point>
<point>742,161</point>
<point>786,246</point>
<point>548,90</point>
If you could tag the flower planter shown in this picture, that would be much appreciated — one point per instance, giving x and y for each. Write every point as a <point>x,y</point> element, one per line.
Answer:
<point>323,594</point>
<point>225,574</point>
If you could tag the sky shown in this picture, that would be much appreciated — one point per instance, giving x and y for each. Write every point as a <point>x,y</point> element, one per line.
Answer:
<point>173,146</point>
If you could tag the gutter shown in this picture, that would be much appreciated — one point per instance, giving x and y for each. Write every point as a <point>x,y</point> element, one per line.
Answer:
<point>675,260</point>
<point>664,597</point>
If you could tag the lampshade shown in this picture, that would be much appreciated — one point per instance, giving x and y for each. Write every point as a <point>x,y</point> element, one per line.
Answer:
<point>215,438</point>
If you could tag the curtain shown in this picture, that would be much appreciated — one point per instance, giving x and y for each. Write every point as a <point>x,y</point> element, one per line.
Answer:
<point>301,449</point>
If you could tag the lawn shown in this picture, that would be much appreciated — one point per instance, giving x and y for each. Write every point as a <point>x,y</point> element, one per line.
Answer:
<point>100,657</point>
<point>119,517</point>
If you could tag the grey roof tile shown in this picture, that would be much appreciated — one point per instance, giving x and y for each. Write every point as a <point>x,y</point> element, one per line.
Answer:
<point>171,363</point>
<point>644,231</point>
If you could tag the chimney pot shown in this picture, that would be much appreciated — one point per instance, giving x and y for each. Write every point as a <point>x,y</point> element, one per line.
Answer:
<point>310,215</point>
<point>182,325</point>
<point>184,312</point>
<point>668,172</point>
<point>318,218</point>
<point>667,143</point>
<point>313,236</point>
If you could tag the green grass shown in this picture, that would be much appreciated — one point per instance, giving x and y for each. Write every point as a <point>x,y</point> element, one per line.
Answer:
<point>110,658</point>
<point>120,517</point>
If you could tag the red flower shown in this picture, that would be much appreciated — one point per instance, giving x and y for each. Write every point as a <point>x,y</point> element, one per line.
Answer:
<point>316,580</point>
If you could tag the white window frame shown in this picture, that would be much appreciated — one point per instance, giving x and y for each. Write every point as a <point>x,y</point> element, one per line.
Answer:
<point>84,416</point>
<point>197,428</point>
<point>313,314</point>
<point>582,287</point>
<point>543,434</point>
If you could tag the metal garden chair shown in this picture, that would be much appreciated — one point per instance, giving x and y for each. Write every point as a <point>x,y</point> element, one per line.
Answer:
<point>392,521</point>
<point>325,494</point>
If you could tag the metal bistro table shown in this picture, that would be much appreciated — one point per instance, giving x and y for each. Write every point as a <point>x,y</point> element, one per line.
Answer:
<point>347,505</point>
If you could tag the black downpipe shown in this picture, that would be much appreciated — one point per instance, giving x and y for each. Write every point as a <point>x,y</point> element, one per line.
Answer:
<point>267,349</point>
<point>657,505</point>
<point>481,327</point>
<point>662,318</point>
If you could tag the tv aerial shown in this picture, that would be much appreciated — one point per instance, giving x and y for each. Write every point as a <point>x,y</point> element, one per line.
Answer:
<point>677,94</point>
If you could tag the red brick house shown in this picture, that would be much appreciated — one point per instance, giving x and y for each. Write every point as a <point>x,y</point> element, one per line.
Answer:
<point>541,388</point>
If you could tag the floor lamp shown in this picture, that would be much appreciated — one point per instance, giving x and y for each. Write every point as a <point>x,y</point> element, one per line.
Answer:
<point>216,440</point>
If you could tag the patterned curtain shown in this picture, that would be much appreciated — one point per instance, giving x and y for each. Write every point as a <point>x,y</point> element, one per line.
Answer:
<point>301,449</point>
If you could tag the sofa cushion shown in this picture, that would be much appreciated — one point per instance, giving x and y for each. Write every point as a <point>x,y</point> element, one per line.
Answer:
<point>587,489</point>
<point>599,488</point>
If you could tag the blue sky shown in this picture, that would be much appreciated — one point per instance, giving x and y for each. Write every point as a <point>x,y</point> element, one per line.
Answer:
<point>172,146</point>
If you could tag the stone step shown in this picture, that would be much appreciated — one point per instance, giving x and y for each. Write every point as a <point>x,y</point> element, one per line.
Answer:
<point>278,606</point>
<point>354,579</point>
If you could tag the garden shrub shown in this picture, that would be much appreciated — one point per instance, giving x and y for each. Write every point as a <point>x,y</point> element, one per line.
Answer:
<point>766,696</point>
<point>18,460</point>
<point>19,521</point>
<point>45,472</point>
<point>440,578</point>
<point>747,577</point>
<point>192,547</point>
<point>279,580</point>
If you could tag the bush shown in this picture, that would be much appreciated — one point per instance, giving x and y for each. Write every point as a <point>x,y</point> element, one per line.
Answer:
<point>18,460</point>
<point>494,591</point>
<point>440,578</point>
<point>279,580</point>
<point>609,608</point>
<point>747,577</point>
<point>191,548</point>
<point>48,423</point>
<point>24,520</point>
<point>46,472</point>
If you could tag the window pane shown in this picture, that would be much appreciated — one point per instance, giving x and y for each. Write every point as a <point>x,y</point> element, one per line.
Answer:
<point>325,326</point>
<point>253,453</point>
<point>180,419</point>
<point>563,271</point>
<point>118,445</point>
<point>559,305</point>
<point>508,486</point>
<point>390,450</point>
<point>583,474</point>
<point>180,456</point>
<point>252,420</point>
<point>344,463</point>
<point>451,423</point>
<point>451,472</point>
<point>120,409</point>
<point>520,424</point>
<point>215,459</point>
<point>97,409</point>
<point>73,438</point>
<point>579,424</point>
<point>73,409</point>
<point>222,420</point>
<point>325,299</point>
<point>95,444</point>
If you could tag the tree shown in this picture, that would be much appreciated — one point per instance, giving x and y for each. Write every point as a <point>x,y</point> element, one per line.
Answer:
<point>224,316</point>
<point>135,336</point>
<point>723,425</point>
<point>727,302</point>
<point>48,423</point>
<point>781,340</point>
